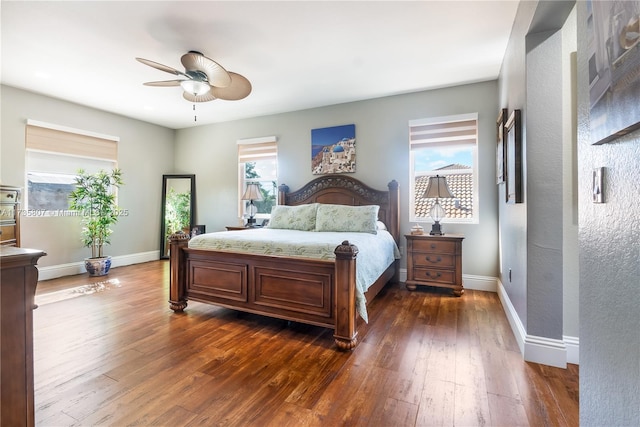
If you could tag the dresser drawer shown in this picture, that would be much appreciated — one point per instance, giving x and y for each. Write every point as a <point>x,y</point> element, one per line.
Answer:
<point>433,275</point>
<point>8,196</point>
<point>438,246</point>
<point>434,260</point>
<point>7,213</point>
<point>8,233</point>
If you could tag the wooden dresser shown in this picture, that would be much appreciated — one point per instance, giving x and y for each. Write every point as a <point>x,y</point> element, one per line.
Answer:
<point>435,261</point>
<point>9,215</point>
<point>18,281</point>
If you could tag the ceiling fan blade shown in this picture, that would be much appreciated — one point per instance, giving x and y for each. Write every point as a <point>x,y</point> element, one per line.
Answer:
<point>239,88</point>
<point>198,98</point>
<point>164,83</point>
<point>161,67</point>
<point>216,74</point>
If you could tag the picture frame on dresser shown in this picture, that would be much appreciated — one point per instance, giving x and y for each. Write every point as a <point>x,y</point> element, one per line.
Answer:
<point>513,130</point>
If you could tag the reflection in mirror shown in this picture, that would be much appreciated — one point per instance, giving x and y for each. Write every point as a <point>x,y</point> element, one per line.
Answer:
<point>178,207</point>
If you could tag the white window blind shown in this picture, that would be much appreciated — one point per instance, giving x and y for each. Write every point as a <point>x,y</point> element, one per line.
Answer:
<point>443,131</point>
<point>52,140</point>
<point>257,149</point>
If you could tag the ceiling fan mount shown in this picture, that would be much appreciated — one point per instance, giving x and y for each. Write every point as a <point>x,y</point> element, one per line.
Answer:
<point>203,79</point>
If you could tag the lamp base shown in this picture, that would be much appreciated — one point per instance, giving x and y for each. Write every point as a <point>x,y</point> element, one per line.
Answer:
<point>436,230</point>
<point>251,222</point>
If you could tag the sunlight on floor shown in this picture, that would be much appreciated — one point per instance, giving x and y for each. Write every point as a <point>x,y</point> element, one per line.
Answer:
<point>77,291</point>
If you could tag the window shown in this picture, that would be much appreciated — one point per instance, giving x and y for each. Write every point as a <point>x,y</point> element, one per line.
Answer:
<point>445,146</point>
<point>258,163</point>
<point>53,156</point>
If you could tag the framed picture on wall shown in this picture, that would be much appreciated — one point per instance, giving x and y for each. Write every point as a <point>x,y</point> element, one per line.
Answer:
<point>614,68</point>
<point>501,153</point>
<point>333,150</point>
<point>513,130</point>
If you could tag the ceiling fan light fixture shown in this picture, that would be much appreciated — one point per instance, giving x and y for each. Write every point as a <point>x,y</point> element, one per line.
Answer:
<point>195,87</point>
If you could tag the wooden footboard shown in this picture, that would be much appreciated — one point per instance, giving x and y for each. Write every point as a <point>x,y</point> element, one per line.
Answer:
<point>317,292</point>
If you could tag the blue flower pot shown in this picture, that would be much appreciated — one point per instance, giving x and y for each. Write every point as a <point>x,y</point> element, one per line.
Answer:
<point>98,266</point>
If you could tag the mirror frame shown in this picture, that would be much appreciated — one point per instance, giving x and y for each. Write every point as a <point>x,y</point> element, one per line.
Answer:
<point>192,186</point>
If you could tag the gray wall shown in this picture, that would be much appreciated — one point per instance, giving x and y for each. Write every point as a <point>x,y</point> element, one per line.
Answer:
<point>148,151</point>
<point>145,152</point>
<point>536,78</point>
<point>609,236</point>
<point>382,155</point>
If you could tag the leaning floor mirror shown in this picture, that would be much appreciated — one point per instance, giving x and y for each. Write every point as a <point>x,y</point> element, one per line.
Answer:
<point>178,208</point>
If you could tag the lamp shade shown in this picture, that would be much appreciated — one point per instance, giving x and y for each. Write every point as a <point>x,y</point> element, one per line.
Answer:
<point>252,192</point>
<point>437,188</point>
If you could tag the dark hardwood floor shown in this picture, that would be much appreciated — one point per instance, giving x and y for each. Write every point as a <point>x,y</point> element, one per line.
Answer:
<point>109,351</point>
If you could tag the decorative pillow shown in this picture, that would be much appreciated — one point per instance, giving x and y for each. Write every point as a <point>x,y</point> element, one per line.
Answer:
<point>380,225</point>
<point>302,217</point>
<point>361,219</point>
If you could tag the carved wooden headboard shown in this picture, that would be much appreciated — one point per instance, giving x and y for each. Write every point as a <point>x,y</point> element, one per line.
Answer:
<point>344,190</point>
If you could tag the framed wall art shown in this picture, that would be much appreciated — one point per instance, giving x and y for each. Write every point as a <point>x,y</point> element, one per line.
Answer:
<point>513,130</point>
<point>501,153</point>
<point>614,68</point>
<point>333,150</point>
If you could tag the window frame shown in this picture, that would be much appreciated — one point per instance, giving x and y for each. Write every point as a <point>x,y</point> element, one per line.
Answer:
<point>59,152</point>
<point>456,141</point>
<point>269,152</point>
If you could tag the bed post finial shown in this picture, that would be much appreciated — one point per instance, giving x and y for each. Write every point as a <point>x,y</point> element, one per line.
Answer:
<point>283,189</point>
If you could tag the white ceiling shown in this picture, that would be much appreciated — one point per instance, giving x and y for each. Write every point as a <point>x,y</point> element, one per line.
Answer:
<point>297,55</point>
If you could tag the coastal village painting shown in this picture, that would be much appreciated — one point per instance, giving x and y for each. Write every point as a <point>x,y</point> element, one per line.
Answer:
<point>333,150</point>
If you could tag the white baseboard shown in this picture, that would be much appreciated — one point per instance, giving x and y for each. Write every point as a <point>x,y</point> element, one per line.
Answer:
<point>543,350</point>
<point>477,283</point>
<point>573,349</point>
<point>61,270</point>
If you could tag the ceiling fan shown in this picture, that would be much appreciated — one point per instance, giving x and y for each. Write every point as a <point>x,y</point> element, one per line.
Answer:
<point>203,79</point>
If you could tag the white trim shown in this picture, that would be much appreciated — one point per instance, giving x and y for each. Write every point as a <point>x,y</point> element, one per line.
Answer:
<point>479,283</point>
<point>573,349</point>
<point>259,140</point>
<point>61,270</point>
<point>72,130</point>
<point>512,316</point>
<point>547,351</point>
<point>543,350</point>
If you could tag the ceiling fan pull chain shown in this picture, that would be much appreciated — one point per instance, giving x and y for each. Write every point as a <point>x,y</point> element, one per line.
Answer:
<point>195,117</point>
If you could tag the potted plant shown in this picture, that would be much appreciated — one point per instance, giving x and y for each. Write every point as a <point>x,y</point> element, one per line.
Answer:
<point>95,200</point>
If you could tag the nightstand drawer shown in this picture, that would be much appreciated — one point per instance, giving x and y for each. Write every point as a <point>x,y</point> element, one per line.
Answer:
<point>433,275</point>
<point>434,260</point>
<point>439,246</point>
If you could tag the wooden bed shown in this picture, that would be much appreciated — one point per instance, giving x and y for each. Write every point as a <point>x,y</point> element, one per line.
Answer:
<point>317,292</point>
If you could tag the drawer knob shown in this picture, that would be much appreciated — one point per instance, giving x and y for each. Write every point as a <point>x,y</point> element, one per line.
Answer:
<point>433,246</point>
<point>10,196</point>
<point>433,275</point>
<point>438,259</point>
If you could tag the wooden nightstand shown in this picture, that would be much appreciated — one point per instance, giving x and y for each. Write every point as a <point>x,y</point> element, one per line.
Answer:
<point>435,261</point>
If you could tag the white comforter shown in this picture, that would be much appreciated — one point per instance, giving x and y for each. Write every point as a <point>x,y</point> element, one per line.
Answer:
<point>376,251</point>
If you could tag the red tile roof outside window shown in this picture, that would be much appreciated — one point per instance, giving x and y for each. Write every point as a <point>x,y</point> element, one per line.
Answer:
<point>461,186</point>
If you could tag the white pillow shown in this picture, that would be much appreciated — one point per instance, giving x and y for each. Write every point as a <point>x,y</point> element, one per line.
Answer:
<point>380,225</point>
<point>302,217</point>
<point>362,219</point>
